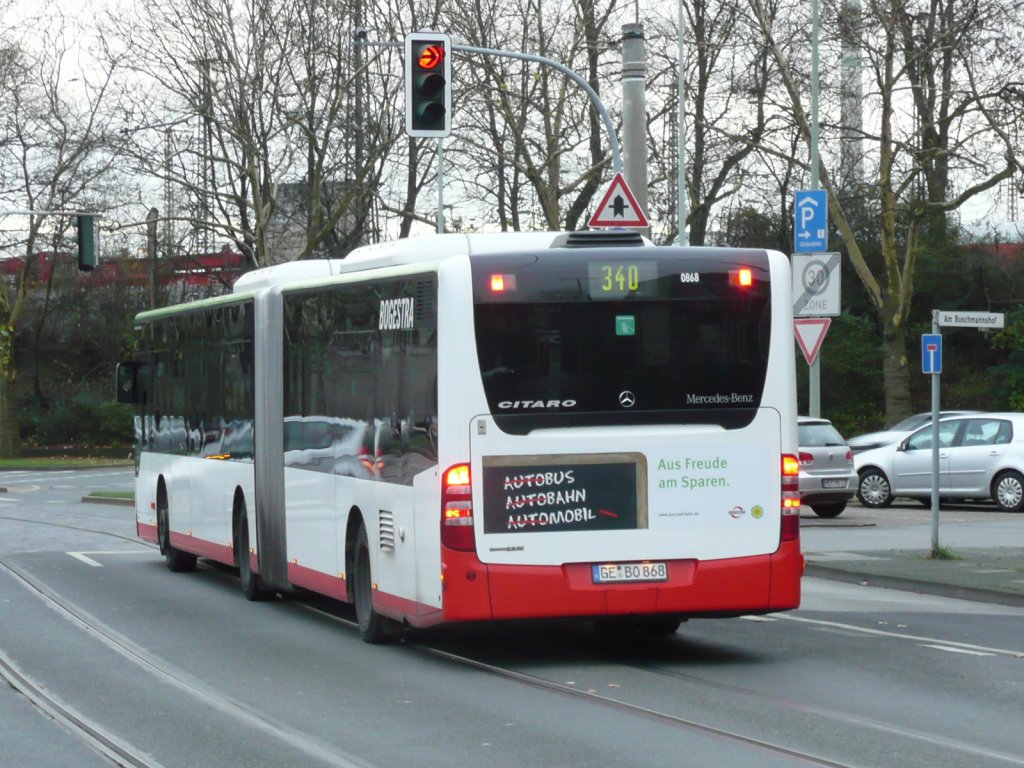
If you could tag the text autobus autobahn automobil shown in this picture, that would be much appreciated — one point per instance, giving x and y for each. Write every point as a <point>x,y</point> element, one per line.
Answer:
<point>473,428</point>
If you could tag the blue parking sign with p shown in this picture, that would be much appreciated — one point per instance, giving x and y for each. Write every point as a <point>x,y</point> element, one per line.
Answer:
<point>810,221</point>
<point>931,353</point>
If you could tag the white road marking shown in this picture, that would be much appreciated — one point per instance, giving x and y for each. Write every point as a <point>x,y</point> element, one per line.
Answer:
<point>950,649</point>
<point>86,560</point>
<point>84,556</point>
<point>1019,654</point>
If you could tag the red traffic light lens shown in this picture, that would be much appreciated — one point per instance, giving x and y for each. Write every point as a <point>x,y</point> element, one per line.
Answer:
<point>431,56</point>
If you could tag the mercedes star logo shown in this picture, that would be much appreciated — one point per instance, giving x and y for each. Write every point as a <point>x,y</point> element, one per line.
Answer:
<point>627,399</point>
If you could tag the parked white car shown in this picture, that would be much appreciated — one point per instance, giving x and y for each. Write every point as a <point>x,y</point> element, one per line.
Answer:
<point>897,431</point>
<point>981,457</point>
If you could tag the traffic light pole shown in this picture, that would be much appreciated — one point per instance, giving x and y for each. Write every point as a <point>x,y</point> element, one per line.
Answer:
<point>613,140</point>
<point>440,186</point>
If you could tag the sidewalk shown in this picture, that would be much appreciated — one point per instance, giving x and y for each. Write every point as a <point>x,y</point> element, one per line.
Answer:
<point>863,547</point>
<point>993,575</point>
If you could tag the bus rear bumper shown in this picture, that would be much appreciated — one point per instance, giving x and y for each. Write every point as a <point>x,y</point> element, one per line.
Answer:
<point>729,587</point>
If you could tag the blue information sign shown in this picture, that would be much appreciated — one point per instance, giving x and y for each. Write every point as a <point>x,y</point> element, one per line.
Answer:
<point>931,353</point>
<point>810,224</point>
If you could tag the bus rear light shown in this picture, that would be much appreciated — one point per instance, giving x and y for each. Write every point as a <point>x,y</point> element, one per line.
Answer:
<point>501,283</point>
<point>741,278</point>
<point>790,523</point>
<point>457,509</point>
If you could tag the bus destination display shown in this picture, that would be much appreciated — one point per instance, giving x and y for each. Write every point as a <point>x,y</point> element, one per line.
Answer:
<point>618,279</point>
<point>537,498</point>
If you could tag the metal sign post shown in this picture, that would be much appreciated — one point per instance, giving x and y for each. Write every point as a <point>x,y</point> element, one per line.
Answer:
<point>931,365</point>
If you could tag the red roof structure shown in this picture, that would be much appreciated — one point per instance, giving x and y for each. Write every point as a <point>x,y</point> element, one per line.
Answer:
<point>221,268</point>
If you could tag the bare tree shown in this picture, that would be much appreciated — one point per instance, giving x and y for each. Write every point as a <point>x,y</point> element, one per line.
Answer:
<point>54,154</point>
<point>942,75</point>
<point>727,73</point>
<point>532,138</point>
<point>261,93</point>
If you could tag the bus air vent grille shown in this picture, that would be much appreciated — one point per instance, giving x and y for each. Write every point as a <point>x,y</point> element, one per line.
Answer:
<point>426,303</point>
<point>387,530</point>
<point>598,238</point>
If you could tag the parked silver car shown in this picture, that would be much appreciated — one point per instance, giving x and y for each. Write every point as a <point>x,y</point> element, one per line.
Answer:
<point>981,457</point>
<point>827,477</point>
<point>897,431</point>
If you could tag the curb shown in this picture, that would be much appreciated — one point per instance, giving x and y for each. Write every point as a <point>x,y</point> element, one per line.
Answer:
<point>108,500</point>
<point>937,588</point>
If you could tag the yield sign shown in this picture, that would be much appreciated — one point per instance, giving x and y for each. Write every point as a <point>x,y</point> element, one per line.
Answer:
<point>810,332</point>
<point>618,207</point>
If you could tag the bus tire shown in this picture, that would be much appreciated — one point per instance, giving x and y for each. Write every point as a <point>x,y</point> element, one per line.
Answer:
<point>177,561</point>
<point>252,585</point>
<point>373,627</point>
<point>619,627</point>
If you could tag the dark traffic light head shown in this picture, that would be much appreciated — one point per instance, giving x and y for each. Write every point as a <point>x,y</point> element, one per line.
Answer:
<point>88,244</point>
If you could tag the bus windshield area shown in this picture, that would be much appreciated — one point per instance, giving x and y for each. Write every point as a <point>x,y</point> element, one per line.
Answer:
<point>595,341</point>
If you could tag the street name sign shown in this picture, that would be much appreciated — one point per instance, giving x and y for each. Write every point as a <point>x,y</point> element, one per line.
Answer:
<point>958,319</point>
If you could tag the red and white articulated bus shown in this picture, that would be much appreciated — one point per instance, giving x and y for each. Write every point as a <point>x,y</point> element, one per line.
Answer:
<point>483,427</point>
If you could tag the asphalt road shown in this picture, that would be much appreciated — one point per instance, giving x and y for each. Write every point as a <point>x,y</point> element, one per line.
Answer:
<point>178,669</point>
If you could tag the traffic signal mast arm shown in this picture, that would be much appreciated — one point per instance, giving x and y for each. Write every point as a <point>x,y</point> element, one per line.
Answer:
<point>613,140</point>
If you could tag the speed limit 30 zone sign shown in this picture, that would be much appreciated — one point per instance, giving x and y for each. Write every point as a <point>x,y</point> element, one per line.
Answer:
<point>816,285</point>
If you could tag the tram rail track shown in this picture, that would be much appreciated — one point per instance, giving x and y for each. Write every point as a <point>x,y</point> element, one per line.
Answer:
<point>123,753</point>
<point>119,749</point>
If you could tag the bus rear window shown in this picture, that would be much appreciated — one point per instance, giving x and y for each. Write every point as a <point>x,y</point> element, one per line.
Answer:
<point>581,338</point>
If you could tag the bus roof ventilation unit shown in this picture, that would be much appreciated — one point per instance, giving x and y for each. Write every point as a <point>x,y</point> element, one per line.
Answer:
<point>598,238</point>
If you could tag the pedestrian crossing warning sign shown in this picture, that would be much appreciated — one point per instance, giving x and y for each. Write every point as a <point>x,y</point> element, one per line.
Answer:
<point>618,207</point>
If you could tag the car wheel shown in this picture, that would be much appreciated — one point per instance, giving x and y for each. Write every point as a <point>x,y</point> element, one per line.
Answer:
<point>833,509</point>
<point>1008,491</point>
<point>874,490</point>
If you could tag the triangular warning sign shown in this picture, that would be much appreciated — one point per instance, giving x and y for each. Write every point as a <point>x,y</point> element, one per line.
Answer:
<point>618,207</point>
<point>810,332</point>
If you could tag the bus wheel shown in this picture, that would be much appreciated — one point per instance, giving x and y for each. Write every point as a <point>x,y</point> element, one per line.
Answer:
<point>619,627</point>
<point>372,626</point>
<point>177,561</point>
<point>252,584</point>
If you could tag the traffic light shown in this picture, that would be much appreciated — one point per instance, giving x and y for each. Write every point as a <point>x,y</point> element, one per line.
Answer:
<point>428,84</point>
<point>88,242</point>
